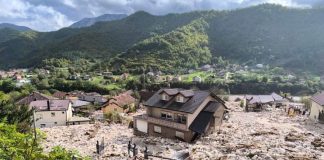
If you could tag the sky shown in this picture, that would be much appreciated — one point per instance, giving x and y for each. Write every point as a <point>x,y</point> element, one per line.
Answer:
<point>50,15</point>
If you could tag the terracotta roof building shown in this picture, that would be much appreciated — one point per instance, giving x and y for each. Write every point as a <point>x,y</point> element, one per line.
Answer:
<point>117,103</point>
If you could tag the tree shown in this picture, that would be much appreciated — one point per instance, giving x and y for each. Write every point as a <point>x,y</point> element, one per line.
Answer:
<point>7,86</point>
<point>16,145</point>
<point>22,146</point>
<point>14,114</point>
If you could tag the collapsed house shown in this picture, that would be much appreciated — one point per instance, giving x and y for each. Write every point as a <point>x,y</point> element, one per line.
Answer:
<point>260,102</point>
<point>180,114</point>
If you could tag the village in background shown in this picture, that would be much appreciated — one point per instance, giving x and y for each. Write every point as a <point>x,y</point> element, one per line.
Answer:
<point>172,123</point>
<point>206,80</point>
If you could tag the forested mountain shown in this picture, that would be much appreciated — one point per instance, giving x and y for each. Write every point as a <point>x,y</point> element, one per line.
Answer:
<point>15,27</point>
<point>269,34</point>
<point>86,22</point>
<point>10,31</point>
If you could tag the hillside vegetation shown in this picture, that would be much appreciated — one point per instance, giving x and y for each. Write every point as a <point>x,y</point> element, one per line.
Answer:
<point>269,34</point>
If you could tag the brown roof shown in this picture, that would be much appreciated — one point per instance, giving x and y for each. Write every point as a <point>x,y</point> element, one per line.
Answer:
<point>122,99</point>
<point>59,94</point>
<point>319,98</point>
<point>55,105</point>
<point>187,93</point>
<point>170,92</point>
<point>34,96</point>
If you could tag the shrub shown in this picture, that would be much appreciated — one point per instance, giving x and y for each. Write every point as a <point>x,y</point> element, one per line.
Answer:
<point>225,98</point>
<point>114,117</point>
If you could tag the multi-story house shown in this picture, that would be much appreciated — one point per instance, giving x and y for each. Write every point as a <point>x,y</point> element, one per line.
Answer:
<point>49,113</point>
<point>180,114</point>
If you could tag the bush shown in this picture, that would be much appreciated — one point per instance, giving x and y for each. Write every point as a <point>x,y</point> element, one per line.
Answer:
<point>225,98</point>
<point>242,103</point>
<point>114,117</point>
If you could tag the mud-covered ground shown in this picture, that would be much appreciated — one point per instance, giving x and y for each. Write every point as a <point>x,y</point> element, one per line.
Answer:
<point>264,135</point>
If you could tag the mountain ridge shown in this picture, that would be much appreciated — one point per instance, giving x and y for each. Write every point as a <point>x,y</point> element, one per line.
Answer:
<point>269,34</point>
<point>15,27</point>
<point>86,22</point>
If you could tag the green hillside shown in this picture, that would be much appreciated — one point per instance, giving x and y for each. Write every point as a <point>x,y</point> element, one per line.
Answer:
<point>186,46</point>
<point>269,34</point>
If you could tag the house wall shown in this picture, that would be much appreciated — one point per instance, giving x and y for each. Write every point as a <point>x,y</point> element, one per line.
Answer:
<point>315,109</point>
<point>45,117</point>
<point>156,112</point>
<point>218,118</point>
<point>167,132</point>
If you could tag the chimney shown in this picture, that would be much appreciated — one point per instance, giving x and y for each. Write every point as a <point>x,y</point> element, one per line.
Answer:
<point>48,105</point>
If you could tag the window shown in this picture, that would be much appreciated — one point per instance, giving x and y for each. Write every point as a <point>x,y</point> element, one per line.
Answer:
<point>180,98</point>
<point>63,112</point>
<point>163,115</point>
<point>157,129</point>
<point>179,135</point>
<point>164,97</point>
<point>181,118</point>
<point>55,122</point>
<point>43,125</point>
<point>53,114</point>
<point>167,116</point>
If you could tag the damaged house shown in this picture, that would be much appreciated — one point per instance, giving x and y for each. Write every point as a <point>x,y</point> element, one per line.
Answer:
<point>180,114</point>
<point>259,102</point>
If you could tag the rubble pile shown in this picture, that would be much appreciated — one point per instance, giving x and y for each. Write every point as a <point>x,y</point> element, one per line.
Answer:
<point>254,135</point>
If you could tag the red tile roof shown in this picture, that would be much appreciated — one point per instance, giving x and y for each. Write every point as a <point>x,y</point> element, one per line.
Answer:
<point>122,99</point>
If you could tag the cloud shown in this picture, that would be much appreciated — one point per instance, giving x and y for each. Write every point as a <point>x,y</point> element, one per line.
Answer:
<point>38,17</point>
<point>47,15</point>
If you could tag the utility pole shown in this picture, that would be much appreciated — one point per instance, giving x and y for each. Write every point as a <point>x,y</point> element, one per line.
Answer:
<point>34,123</point>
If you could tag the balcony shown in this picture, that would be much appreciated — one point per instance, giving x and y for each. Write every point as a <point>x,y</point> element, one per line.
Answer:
<point>162,122</point>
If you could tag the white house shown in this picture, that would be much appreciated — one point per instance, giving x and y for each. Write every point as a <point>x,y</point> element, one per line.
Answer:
<point>49,113</point>
<point>196,79</point>
<point>317,105</point>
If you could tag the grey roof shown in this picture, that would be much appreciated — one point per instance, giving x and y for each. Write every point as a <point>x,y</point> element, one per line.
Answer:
<point>277,97</point>
<point>189,107</point>
<point>318,98</point>
<point>55,105</point>
<point>79,103</point>
<point>212,106</point>
<point>260,98</point>
<point>201,122</point>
